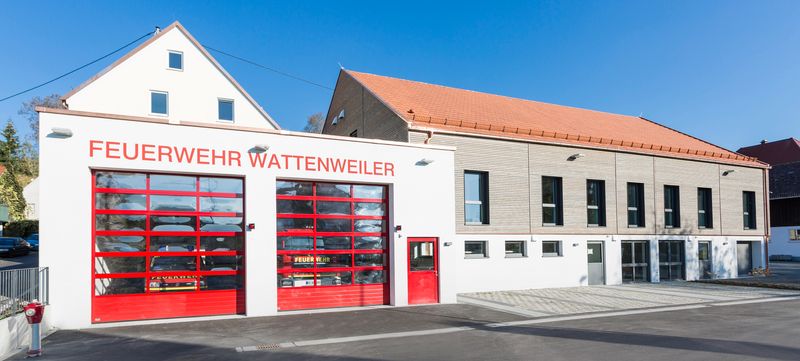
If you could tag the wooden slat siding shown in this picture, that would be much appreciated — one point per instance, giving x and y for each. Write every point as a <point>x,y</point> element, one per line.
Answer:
<point>363,112</point>
<point>167,305</point>
<point>635,169</point>
<point>507,164</point>
<point>299,298</point>
<point>552,161</point>
<point>617,169</point>
<point>688,176</point>
<point>743,179</point>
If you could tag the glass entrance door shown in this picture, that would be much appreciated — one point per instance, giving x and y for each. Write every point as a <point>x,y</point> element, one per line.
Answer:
<point>671,260</point>
<point>635,261</point>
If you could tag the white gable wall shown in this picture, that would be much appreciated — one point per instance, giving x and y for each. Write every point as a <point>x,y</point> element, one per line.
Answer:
<point>193,92</point>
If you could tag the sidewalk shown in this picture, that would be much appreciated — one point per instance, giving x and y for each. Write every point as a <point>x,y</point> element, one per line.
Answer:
<point>577,300</point>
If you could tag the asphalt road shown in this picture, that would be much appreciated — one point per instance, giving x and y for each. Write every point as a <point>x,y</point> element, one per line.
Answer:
<point>754,331</point>
<point>31,260</point>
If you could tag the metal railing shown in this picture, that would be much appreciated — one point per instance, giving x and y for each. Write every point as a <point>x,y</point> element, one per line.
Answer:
<point>21,286</point>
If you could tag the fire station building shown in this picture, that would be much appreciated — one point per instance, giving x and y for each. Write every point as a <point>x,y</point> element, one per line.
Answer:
<point>167,192</point>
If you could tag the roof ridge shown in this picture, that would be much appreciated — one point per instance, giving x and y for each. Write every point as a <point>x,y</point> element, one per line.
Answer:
<point>492,94</point>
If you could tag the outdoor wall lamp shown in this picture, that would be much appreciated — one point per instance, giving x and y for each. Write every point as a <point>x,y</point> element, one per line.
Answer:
<point>425,161</point>
<point>260,148</point>
<point>576,156</point>
<point>62,132</point>
<point>729,171</point>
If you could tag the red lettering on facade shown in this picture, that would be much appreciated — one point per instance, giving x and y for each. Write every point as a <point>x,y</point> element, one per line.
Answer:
<point>110,147</point>
<point>93,148</point>
<point>184,155</point>
<point>164,152</point>
<point>149,152</point>
<point>257,159</point>
<point>234,156</point>
<point>218,156</point>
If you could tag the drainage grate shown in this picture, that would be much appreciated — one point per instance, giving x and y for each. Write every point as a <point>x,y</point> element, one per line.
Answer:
<point>268,346</point>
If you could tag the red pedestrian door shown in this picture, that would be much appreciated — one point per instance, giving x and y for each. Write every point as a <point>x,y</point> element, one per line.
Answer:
<point>423,271</point>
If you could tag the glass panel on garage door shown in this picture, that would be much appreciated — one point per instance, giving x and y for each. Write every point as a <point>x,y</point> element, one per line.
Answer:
<point>331,245</point>
<point>166,246</point>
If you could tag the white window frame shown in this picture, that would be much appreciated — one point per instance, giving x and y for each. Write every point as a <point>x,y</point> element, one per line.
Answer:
<point>523,250</point>
<point>183,62</point>
<point>794,234</point>
<point>477,256</point>
<point>233,110</point>
<point>151,103</point>
<point>559,249</point>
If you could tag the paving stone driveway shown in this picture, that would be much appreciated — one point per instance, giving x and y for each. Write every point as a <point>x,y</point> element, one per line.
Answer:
<point>574,300</point>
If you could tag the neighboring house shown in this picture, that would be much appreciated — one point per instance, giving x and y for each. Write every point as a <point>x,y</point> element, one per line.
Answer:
<point>4,218</point>
<point>31,194</point>
<point>784,198</point>
<point>541,187</point>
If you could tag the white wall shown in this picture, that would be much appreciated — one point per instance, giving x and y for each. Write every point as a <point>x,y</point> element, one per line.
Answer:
<point>193,91</point>
<point>497,272</point>
<point>31,194</point>
<point>422,199</point>
<point>780,244</point>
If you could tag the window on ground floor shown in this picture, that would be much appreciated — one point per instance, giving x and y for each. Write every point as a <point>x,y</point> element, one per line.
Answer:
<point>515,249</point>
<point>475,249</point>
<point>551,248</point>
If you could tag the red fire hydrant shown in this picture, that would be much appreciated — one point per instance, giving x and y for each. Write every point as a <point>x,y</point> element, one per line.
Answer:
<point>34,312</point>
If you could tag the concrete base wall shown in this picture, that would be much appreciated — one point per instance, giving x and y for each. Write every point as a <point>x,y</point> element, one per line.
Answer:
<point>498,272</point>
<point>15,334</point>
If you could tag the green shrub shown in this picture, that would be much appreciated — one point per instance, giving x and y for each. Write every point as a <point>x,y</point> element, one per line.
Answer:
<point>21,228</point>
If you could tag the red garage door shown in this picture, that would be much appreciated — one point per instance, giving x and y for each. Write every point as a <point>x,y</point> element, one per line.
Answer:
<point>166,246</point>
<point>331,245</point>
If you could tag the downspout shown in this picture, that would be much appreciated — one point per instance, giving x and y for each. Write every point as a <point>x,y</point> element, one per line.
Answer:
<point>428,139</point>
<point>767,231</point>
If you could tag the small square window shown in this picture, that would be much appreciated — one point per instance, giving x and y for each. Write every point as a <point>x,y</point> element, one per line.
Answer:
<point>176,60</point>
<point>794,234</point>
<point>159,102</point>
<point>551,248</point>
<point>225,109</point>
<point>515,249</point>
<point>475,249</point>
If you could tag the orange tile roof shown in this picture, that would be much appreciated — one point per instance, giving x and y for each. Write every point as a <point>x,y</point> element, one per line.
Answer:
<point>429,106</point>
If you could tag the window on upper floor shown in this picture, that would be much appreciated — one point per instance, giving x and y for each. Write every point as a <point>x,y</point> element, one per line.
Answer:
<point>159,102</point>
<point>476,197</point>
<point>175,60</point>
<point>635,205</point>
<point>749,209</point>
<point>552,202</point>
<point>596,203</point>
<point>705,215</point>
<point>794,234</point>
<point>225,109</point>
<point>672,207</point>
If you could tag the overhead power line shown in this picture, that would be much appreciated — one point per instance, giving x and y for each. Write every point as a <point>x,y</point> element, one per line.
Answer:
<point>295,77</point>
<point>78,68</point>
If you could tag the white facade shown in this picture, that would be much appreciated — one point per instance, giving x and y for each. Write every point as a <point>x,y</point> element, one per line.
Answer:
<point>780,242</point>
<point>497,272</point>
<point>421,199</point>
<point>193,92</point>
<point>31,194</point>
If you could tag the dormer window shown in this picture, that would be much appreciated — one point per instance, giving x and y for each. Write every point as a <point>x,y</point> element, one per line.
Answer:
<point>159,103</point>
<point>225,107</point>
<point>175,60</point>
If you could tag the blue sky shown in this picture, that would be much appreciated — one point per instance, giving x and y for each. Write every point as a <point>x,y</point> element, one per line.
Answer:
<point>724,71</point>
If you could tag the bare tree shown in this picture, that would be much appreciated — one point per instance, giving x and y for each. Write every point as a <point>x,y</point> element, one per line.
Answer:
<point>315,123</point>
<point>28,111</point>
